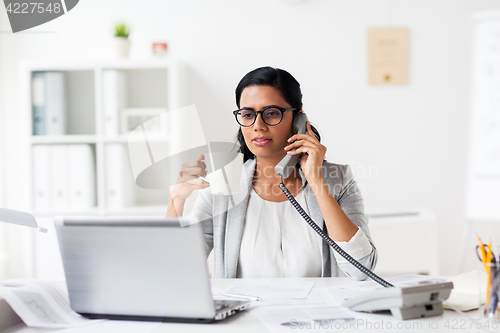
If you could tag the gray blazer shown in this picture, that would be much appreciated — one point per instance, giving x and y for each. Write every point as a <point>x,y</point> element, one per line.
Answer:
<point>223,217</point>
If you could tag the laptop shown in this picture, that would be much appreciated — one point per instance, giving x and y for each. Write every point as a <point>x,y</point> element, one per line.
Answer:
<point>136,268</point>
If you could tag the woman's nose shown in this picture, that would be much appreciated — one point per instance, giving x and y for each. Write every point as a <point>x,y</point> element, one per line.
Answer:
<point>259,122</point>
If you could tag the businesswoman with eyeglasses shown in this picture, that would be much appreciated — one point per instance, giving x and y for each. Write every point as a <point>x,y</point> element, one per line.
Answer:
<point>257,232</point>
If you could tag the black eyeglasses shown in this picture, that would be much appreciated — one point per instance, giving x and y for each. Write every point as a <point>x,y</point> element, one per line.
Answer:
<point>271,115</point>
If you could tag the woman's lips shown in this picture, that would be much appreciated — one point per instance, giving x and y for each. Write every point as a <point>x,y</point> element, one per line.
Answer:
<point>261,141</point>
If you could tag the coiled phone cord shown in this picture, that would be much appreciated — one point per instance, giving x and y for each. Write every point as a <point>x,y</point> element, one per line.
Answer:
<point>330,241</point>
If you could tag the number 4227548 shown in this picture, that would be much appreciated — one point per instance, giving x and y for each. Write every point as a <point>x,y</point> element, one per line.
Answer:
<point>33,7</point>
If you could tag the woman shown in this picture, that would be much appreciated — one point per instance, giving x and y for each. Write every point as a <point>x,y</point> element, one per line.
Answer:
<point>263,235</point>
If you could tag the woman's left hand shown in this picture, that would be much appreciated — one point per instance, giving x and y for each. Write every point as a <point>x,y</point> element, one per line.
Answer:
<point>313,153</point>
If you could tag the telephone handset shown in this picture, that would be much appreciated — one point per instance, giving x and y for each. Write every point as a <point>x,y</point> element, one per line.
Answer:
<point>285,167</point>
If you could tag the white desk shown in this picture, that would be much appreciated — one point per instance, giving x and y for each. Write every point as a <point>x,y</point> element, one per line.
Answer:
<point>246,322</point>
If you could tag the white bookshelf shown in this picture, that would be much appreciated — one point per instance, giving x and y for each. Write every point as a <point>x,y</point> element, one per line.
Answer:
<point>151,83</point>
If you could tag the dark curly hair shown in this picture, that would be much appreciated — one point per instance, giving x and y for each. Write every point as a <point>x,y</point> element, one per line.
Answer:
<point>272,77</point>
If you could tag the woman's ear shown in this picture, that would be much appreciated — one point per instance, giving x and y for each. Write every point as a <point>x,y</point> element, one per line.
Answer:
<point>300,111</point>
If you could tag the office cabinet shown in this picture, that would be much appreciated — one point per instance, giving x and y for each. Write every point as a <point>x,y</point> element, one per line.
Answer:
<point>406,240</point>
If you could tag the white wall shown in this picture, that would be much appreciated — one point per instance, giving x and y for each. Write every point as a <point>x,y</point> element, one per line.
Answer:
<point>414,136</point>
<point>2,241</point>
<point>1,118</point>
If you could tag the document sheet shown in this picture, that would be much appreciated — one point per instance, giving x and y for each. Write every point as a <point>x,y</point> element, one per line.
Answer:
<point>113,326</point>
<point>342,293</point>
<point>317,297</point>
<point>308,319</point>
<point>41,304</point>
<point>271,289</point>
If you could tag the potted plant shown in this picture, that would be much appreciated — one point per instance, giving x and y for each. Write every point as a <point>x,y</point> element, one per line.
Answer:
<point>122,44</point>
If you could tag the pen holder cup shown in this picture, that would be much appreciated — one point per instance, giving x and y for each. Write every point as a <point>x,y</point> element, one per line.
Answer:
<point>489,290</point>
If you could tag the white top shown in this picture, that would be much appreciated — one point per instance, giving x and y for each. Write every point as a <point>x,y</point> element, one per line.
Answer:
<point>277,242</point>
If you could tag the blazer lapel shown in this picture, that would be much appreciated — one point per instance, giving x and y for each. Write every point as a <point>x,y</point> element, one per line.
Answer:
<point>312,202</point>
<point>235,220</point>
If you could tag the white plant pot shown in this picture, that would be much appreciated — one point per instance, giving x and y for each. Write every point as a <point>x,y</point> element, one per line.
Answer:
<point>121,47</point>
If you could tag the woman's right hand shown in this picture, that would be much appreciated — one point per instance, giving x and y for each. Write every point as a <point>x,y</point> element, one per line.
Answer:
<point>188,180</point>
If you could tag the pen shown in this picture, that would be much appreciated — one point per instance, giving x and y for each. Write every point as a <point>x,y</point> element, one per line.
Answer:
<point>493,305</point>
<point>253,298</point>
